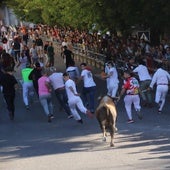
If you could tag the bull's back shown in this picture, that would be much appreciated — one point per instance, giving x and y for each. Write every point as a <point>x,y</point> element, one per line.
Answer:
<point>106,109</point>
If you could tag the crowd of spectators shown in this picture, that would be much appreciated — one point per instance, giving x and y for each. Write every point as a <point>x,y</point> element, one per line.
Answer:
<point>112,47</point>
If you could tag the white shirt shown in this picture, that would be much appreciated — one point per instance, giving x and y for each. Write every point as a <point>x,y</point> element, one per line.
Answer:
<point>33,52</point>
<point>143,72</point>
<point>87,78</point>
<point>73,72</point>
<point>147,48</point>
<point>41,64</point>
<point>64,44</point>
<point>106,70</point>
<point>23,62</point>
<point>161,77</point>
<point>6,46</point>
<point>70,83</point>
<point>73,68</point>
<point>114,77</point>
<point>56,80</point>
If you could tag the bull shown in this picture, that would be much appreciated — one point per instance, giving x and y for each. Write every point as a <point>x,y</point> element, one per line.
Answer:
<point>106,115</point>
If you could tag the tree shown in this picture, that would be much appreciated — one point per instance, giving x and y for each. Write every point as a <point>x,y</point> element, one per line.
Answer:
<point>105,14</point>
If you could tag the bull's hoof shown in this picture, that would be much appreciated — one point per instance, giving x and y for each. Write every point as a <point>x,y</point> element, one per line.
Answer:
<point>111,145</point>
<point>115,129</point>
<point>99,98</point>
<point>104,139</point>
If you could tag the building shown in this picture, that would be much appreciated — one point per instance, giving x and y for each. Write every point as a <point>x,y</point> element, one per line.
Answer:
<point>7,17</point>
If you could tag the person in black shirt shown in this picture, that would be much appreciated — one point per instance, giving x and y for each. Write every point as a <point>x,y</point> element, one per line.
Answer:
<point>50,53</point>
<point>9,84</point>
<point>46,62</point>
<point>25,38</point>
<point>27,53</point>
<point>4,40</point>
<point>39,46</point>
<point>16,47</point>
<point>35,75</point>
<point>69,56</point>
<point>7,60</point>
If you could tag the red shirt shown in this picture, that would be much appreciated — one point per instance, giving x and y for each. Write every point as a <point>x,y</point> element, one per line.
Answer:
<point>131,85</point>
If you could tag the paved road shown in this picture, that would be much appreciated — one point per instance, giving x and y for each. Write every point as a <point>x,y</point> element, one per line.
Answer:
<point>30,143</point>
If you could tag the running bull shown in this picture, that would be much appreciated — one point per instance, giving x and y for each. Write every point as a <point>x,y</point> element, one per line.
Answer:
<point>106,115</point>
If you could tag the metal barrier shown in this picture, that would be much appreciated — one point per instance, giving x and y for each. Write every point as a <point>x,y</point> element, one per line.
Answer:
<point>97,60</point>
<point>87,56</point>
<point>90,57</point>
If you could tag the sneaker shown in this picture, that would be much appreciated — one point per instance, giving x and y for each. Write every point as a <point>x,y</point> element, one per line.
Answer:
<point>159,104</point>
<point>80,121</point>
<point>89,114</point>
<point>70,116</point>
<point>11,116</point>
<point>130,121</point>
<point>27,107</point>
<point>49,118</point>
<point>139,115</point>
<point>159,111</point>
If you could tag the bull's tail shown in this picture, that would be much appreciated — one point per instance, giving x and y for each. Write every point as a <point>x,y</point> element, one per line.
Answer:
<point>109,115</point>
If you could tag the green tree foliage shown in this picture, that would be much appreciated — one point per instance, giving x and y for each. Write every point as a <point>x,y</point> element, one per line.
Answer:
<point>105,14</point>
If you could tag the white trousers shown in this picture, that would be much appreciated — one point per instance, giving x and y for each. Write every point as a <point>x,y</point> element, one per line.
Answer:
<point>6,47</point>
<point>161,92</point>
<point>46,59</point>
<point>75,103</point>
<point>28,91</point>
<point>129,100</point>
<point>112,89</point>
<point>40,51</point>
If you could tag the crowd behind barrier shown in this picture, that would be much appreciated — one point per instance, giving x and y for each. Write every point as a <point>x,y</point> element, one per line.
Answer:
<point>102,48</point>
<point>97,49</point>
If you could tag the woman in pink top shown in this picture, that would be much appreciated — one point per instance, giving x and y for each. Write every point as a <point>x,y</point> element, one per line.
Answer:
<point>44,91</point>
